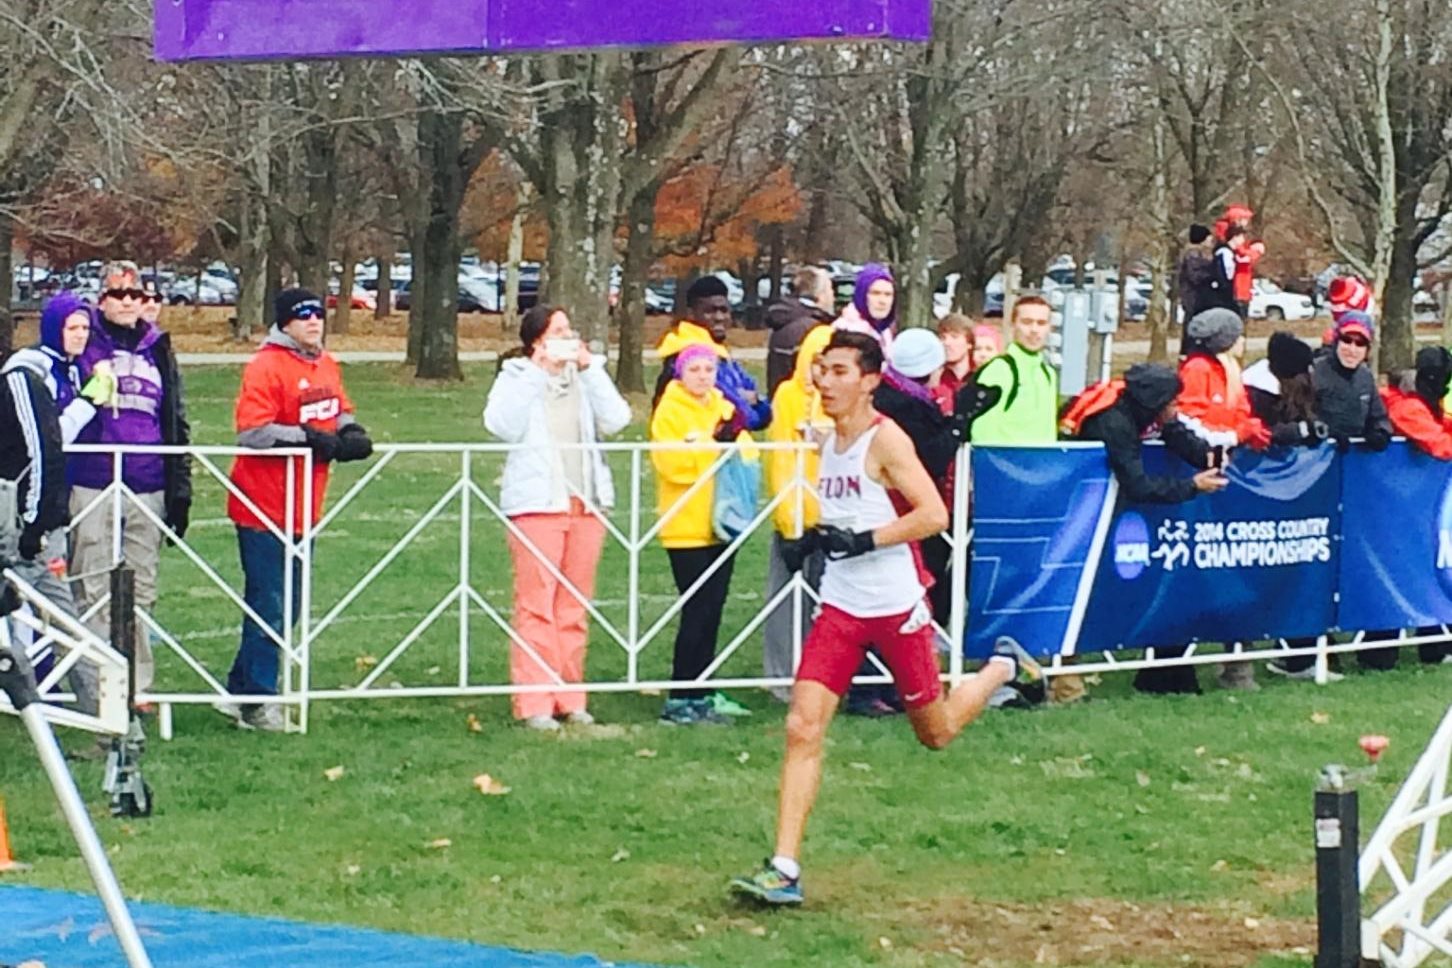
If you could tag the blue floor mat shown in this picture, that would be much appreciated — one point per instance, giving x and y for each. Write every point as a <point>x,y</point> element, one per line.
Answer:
<point>65,930</point>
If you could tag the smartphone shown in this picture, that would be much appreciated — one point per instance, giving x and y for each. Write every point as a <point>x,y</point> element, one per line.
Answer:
<point>562,350</point>
<point>1218,458</point>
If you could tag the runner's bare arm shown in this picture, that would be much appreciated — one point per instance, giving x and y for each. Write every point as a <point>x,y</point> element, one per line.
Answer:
<point>892,461</point>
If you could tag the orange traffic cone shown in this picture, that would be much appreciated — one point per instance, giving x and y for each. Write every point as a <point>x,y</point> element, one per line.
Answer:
<point>8,863</point>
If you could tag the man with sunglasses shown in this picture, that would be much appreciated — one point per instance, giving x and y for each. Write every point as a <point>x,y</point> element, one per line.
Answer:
<point>292,396</point>
<point>150,302</point>
<point>147,409</point>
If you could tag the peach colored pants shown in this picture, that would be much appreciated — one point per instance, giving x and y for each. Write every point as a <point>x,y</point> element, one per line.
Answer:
<point>546,614</point>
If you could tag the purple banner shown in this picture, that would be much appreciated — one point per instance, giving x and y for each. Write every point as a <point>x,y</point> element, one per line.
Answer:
<point>258,29</point>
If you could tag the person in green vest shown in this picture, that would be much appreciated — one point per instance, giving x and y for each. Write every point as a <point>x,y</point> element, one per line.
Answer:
<point>1028,410</point>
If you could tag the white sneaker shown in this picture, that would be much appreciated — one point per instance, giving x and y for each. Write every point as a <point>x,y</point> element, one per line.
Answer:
<point>580,718</point>
<point>266,718</point>
<point>229,709</point>
<point>545,724</point>
<point>1307,674</point>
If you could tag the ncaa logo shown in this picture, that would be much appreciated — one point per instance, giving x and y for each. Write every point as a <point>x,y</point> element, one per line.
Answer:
<point>1131,546</point>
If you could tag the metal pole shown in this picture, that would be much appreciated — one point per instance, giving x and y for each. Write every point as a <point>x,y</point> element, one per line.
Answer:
<point>123,625</point>
<point>1338,892</point>
<point>21,690</point>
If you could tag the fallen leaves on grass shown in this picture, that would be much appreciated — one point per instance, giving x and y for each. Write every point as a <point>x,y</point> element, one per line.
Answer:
<point>364,662</point>
<point>1068,767</point>
<point>489,786</point>
<point>1142,778</point>
<point>619,855</point>
<point>472,724</point>
<point>742,757</point>
<point>1320,718</point>
<point>352,870</point>
<point>645,754</point>
<point>334,773</point>
<point>439,843</point>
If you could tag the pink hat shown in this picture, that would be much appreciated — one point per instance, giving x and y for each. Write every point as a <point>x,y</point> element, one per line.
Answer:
<point>691,352</point>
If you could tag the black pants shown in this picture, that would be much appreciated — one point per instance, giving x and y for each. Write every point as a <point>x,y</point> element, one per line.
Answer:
<point>700,615</point>
<point>938,559</point>
<point>1168,680</point>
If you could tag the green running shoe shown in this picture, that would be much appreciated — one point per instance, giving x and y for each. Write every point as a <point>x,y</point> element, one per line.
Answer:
<point>724,705</point>
<point>770,886</point>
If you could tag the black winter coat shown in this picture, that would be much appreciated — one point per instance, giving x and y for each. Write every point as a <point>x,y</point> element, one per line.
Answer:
<point>1349,403</point>
<point>1118,429</point>
<point>933,434</point>
<point>790,321</point>
<point>32,452</point>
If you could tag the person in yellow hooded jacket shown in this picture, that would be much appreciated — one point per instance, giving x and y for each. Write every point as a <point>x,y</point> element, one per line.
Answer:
<point>797,418</point>
<point>691,410</point>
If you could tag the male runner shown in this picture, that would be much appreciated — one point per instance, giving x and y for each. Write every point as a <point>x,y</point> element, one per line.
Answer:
<point>876,503</point>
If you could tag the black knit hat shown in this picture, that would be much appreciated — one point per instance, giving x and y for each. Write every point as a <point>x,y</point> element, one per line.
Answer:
<point>1152,386</point>
<point>1288,356</point>
<point>1434,370</point>
<point>289,301</point>
<point>1198,233</point>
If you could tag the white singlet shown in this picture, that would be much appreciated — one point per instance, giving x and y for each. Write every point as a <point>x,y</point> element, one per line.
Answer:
<point>881,582</point>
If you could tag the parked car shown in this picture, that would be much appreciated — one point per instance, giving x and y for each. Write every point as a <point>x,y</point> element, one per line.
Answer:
<point>362,300</point>
<point>1269,301</point>
<point>947,290</point>
<point>403,299</point>
<point>188,291</point>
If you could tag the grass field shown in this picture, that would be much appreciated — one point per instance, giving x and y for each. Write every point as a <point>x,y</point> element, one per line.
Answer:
<point>1126,831</point>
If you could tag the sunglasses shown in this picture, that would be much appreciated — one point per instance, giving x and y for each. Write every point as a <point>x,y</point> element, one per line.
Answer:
<point>125,294</point>
<point>1352,340</point>
<point>152,297</point>
<point>307,312</point>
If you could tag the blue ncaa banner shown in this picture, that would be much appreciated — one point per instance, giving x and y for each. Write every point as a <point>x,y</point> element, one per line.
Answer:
<point>1034,512</point>
<point>1396,559</point>
<point>1257,560</point>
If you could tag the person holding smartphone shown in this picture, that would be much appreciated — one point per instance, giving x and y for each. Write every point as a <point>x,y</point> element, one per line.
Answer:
<point>556,401</point>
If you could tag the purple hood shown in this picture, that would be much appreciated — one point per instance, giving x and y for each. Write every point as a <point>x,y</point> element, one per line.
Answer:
<point>874,272</point>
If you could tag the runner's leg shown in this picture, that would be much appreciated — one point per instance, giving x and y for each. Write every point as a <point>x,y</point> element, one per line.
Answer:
<point>812,709</point>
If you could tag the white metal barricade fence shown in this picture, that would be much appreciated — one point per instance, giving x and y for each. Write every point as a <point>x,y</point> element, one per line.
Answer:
<point>1415,921</point>
<point>338,643</point>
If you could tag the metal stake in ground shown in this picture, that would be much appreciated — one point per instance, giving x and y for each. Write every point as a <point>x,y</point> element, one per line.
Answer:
<point>130,793</point>
<point>21,689</point>
<point>1338,891</point>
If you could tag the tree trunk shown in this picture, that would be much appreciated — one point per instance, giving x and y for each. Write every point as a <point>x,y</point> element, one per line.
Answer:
<point>580,147</point>
<point>436,276</point>
<point>1398,333</point>
<point>418,282</point>
<point>274,286</point>
<point>914,292</point>
<point>7,316</point>
<point>252,293</point>
<point>343,314</point>
<point>252,258</point>
<point>384,258</point>
<point>510,300</point>
<point>1447,312</point>
<point>630,371</point>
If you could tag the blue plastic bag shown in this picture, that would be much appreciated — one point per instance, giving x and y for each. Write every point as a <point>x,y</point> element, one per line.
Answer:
<point>738,482</point>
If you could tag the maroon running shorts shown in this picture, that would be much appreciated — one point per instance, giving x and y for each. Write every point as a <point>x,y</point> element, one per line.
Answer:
<point>838,642</point>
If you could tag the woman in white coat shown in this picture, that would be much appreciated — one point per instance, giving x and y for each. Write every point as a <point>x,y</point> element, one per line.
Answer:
<point>555,400</point>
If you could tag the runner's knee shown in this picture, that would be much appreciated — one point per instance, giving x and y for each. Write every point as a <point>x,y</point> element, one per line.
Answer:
<point>805,730</point>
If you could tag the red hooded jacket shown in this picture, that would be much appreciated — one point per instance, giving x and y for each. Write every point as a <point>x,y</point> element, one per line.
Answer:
<point>1415,420</point>
<point>1206,407</point>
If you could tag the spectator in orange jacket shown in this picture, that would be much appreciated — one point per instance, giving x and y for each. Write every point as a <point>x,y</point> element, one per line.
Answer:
<point>1234,228</point>
<point>1214,403</point>
<point>1416,411</point>
<point>1415,403</point>
<point>292,396</point>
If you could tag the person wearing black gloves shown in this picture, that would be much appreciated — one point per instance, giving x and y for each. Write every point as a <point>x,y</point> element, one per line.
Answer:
<point>1347,398</point>
<point>292,397</point>
<point>1146,406</point>
<point>1283,395</point>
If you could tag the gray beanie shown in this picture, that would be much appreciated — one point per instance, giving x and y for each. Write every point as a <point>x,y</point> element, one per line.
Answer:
<point>1216,330</point>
